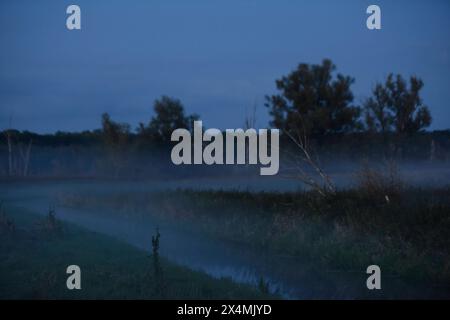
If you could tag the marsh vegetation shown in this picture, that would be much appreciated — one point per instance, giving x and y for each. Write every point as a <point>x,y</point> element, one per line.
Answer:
<point>311,237</point>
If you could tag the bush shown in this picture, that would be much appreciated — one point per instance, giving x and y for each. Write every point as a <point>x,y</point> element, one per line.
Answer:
<point>381,183</point>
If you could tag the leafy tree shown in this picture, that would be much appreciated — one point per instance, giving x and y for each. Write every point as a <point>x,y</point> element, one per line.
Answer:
<point>169,115</point>
<point>377,113</point>
<point>312,101</point>
<point>395,106</point>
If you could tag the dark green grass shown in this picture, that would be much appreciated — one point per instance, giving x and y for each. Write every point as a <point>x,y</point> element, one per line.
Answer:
<point>34,258</point>
<point>408,235</point>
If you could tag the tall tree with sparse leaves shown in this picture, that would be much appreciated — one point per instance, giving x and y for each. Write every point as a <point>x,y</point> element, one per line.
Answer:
<point>395,106</point>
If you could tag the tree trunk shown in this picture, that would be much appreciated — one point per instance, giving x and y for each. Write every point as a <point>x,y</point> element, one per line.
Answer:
<point>10,165</point>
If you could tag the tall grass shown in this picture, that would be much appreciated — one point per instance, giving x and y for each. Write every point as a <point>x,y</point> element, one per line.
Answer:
<point>381,221</point>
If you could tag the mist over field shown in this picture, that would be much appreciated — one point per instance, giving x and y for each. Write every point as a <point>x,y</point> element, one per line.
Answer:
<point>212,218</point>
<point>100,152</point>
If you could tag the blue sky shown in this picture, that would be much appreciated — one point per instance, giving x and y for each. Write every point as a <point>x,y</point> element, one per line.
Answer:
<point>219,57</point>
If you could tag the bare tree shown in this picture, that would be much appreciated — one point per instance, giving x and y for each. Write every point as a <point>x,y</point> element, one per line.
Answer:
<point>250,119</point>
<point>25,155</point>
<point>321,181</point>
<point>249,123</point>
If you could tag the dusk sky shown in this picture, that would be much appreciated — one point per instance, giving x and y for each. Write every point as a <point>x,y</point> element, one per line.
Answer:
<point>218,57</point>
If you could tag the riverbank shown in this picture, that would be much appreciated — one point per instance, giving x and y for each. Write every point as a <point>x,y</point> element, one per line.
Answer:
<point>36,250</point>
<point>403,230</point>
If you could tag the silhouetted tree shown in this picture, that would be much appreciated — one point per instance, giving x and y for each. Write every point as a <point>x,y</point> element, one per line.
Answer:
<point>378,115</point>
<point>313,101</point>
<point>115,136</point>
<point>114,133</point>
<point>169,115</point>
<point>395,106</point>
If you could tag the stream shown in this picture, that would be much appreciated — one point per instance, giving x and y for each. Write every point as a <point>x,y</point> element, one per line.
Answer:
<point>290,277</point>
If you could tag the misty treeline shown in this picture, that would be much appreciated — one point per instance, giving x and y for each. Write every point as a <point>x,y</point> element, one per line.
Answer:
<point>314,108</point>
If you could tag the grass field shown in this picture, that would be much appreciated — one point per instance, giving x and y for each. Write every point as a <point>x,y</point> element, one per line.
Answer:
<point>35,252</point>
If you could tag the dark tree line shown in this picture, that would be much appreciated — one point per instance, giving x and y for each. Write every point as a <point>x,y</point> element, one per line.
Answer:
<point>169,115</point>
<point>313,100</point>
